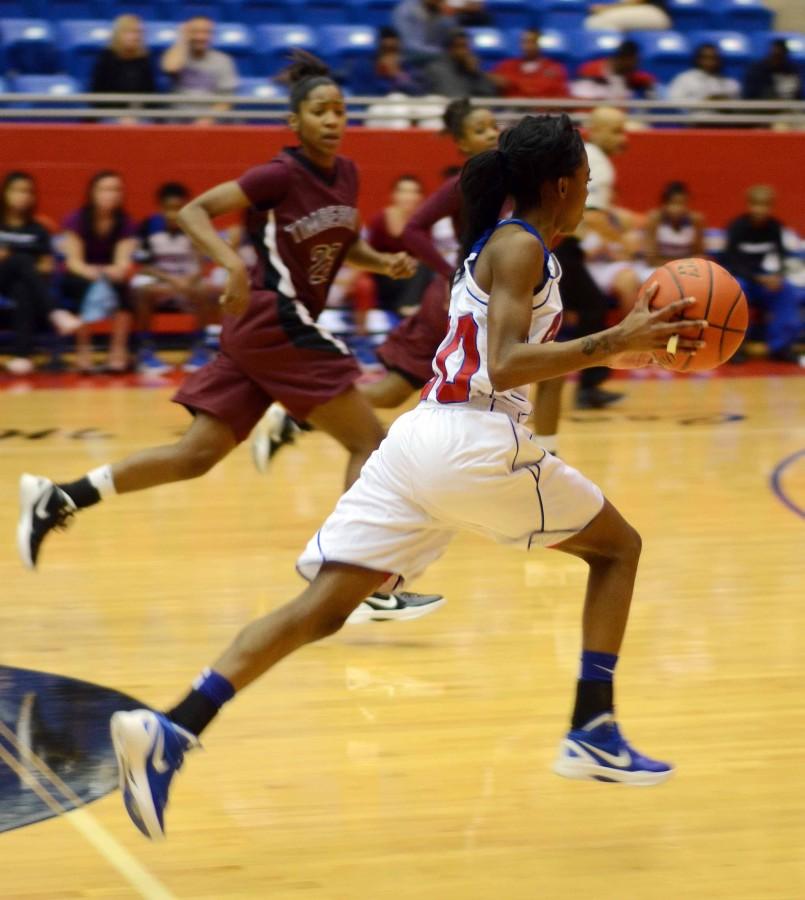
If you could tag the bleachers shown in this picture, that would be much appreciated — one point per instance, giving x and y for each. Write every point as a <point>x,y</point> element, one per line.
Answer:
<point>63,37</point>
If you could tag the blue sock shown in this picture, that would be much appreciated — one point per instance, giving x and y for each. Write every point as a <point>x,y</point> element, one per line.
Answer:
<point>597,666</point>
<point>209,693</point>
<point>214,687</point>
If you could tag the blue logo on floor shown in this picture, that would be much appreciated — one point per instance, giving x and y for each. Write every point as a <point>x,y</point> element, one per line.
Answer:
<point>55,748</point>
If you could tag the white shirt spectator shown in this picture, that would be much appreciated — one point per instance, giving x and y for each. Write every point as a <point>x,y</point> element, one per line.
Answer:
<point>602,179</point>
<point>696,84</point>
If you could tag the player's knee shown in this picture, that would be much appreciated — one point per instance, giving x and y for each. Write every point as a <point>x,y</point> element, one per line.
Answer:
<point>366,442</point>
<point>328,623</point>
<point>195,461</point>
<point>630,544</point>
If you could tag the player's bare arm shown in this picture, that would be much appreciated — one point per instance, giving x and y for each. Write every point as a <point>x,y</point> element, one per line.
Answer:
<point>512,362</point>
<point>196,220</point>
<point>394,265</point>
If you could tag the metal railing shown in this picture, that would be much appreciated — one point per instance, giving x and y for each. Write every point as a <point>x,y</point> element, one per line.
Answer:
<point>178,108</point>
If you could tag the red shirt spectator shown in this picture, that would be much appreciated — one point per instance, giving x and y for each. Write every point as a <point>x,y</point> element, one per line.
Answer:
<point>616,77</point>
<point>532,75</point>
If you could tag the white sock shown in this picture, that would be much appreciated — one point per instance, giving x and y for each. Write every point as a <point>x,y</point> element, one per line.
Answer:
<point>549,442</point>
<point>101,479</point>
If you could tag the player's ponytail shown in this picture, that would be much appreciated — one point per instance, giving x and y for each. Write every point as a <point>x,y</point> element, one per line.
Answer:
<point>306,73</point>
<point>535,150</point>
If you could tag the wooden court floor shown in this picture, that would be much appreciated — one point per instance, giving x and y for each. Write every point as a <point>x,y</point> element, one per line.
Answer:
<point>411,760</point>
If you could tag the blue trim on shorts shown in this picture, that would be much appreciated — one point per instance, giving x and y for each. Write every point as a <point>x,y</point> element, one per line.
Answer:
<point>318,544</point>
<point>536,478</point>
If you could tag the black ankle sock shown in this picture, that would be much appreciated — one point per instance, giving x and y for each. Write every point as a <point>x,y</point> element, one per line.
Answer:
<point>592,699</point>
<point>82,492</point>
<point>194,713</point>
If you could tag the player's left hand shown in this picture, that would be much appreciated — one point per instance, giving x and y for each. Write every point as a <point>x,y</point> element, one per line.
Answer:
<point>400,265</point>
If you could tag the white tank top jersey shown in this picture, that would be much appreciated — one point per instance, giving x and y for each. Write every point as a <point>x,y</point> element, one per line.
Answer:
<point>460,366</point>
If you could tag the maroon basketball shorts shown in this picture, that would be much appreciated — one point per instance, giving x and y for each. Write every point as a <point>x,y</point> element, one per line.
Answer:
<point>410,347</point>
<point>274,351</point>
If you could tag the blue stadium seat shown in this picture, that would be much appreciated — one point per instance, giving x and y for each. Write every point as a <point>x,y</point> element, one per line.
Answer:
<point>30,46</point>
<point>736,49</point>
<point>261,88</point>
<point>742,15</point>
<point>54,10</point>
<point>795,41</point>
<point>54,85</point>
<point>588,45</point>
<point>236,40</point>
<point>17,9</point>
<point>489,44</point>
<point>160,34</point>
<point>564,15</point>
<point>274,42</point>
<point>691,15</point>
<point>271,12</point>
<point>217,10</point>
<point>664,53</point>
<point>343,44</point>
<point>83,40</point>
<point>513,13</point>
<point>372,12</point>
<point>555,44</point>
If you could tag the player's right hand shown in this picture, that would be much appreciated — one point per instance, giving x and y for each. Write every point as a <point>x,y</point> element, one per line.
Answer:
<point>235,297</point>
<point>645,329</point>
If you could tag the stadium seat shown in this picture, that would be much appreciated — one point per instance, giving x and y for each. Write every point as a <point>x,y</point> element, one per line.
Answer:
<point>159,35</point>
<point>513,13</point>
<point>17,9</point>
<point>742,15</point>
<point>664,53</point>
<point>236,40</point>
<point>261,89</point>
<point>691,15</point>
<point>795,41</point>
<point>489,44</point>
<point>271,12</point>
<point>83,40</point>
<point>274,42</point>
<point>373,12</point>
<point>343,44</point>
<point>217,10</point>
<point>564,15</point>
<point>54,85</point>
<point>29,46</point>
<point>735,47</point>
<point>554,44</point>
<point>586,45</point>
<point>56,10</point>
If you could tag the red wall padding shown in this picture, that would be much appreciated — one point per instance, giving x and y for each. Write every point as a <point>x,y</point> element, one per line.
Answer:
<point>717,165</point>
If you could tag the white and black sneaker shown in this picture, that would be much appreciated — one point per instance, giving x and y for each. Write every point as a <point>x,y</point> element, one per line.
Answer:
<point>43,507</point>
<point>276,429</point>
<point>399,606</point>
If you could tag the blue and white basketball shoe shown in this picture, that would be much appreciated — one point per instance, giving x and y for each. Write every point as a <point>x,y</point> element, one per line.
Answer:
<point>599,752</point>
<point>150,750</point>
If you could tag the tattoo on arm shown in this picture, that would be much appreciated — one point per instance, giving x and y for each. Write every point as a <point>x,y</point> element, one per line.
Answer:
<point>591,345</point>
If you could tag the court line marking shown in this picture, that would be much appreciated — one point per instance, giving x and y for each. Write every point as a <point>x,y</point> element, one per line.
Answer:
<point>776,483</point>
<point>107,846</point>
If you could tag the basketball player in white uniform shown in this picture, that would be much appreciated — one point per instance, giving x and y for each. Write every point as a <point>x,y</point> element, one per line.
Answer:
<point>462,459</point>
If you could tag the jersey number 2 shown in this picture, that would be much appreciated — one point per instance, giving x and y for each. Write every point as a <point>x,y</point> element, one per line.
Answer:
<point>457,389</point>
<point>322,257</point>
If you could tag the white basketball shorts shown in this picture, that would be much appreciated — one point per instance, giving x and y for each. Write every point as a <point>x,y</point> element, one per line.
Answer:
<point>446,468</point>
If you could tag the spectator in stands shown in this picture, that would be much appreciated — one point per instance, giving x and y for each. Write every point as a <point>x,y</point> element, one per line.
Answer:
<point>776,77</point>
<point>458,73</point>
<point>385,72</point>
<point>628,15</point>
<point>673,231</point>
<point>705,80</point>
<point>171,275</point>
<point>385,235</point>
<point>616,77</point>
<point>195,68</point>
<point>26,266</point>
<point>470,13</point>
<point>532,74</point>
<point>99,240</point>
<point>423,27</point>
<point>756,254</point>
<point>125,66</point>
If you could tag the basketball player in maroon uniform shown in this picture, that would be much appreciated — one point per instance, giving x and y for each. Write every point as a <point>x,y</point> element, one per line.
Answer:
<point>271,347</point>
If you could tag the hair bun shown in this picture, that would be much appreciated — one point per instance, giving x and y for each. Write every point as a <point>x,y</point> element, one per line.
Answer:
<point>306,65</point>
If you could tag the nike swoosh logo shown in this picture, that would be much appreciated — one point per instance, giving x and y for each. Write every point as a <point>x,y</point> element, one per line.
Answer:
<point>160,764</point>
<point>383,602</point>
<point>41,508</point>
<point>605,669</point>
<point>620,761</point>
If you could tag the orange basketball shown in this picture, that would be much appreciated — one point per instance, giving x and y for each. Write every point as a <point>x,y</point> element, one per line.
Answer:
<point>719,300</point>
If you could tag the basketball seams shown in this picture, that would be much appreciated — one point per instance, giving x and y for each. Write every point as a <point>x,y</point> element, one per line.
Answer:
<point>682,316</point>
<point>724,330</point>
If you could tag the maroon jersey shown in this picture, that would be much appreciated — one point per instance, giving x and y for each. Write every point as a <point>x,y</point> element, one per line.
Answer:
<point>417,237</point>
<point>307,224</point>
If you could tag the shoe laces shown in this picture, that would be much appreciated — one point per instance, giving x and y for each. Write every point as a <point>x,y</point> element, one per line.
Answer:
<point>63,514</point>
